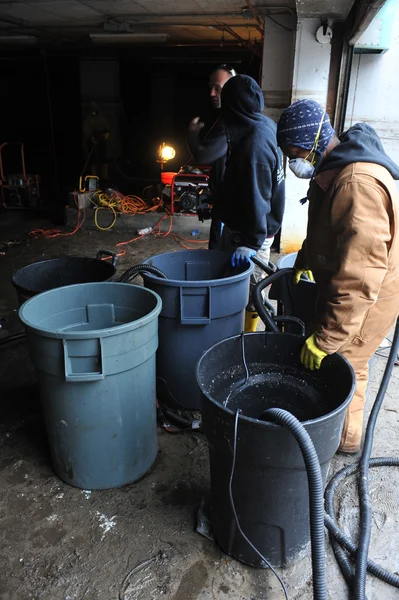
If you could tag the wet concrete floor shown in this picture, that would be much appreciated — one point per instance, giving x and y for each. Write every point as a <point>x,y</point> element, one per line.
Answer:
<point>139,542</point>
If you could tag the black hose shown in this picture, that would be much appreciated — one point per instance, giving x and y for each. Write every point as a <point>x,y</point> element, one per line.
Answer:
<point>258,300</point>
<point>12,338</point>
<point>364,492</point>
<point>337,534</point>
<point>138,270</point>
<point>268,268</point>
<point>315,484</point>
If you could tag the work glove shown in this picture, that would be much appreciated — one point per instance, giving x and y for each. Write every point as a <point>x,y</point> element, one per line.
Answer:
<point>242,255</point>
<point>300,272</point>
<point>311,355</point>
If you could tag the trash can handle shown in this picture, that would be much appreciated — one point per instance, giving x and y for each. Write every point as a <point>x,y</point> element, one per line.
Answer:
<point>191,319</point>
<point>271,322</point>
<point>288,319</point>
<point>102,254</point>
<point>77,377</point>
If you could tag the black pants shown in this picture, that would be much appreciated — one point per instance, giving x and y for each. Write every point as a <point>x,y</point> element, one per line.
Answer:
<point>215,234</point>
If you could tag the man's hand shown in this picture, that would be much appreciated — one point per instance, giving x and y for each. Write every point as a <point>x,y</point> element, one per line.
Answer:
<point>300,272</point>
<point>311,355</point>
<point>242,255</point>
<point>106,135</point>
<point>195,126</point>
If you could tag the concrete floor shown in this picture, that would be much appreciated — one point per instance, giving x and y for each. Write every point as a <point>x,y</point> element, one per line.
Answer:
<point>139,542</point>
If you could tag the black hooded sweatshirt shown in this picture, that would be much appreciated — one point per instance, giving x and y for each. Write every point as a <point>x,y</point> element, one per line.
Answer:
<point>252,195</point>
<point>359,144</point>
<point>210,148</point>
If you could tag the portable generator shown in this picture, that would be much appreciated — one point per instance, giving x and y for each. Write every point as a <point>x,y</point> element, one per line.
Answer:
<point>18,190</point>
<point>187,191</point>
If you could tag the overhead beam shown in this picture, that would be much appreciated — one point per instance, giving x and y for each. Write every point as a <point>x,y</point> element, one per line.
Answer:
<point>364,12</point>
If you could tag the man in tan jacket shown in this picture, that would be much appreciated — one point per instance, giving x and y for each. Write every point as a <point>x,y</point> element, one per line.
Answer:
<point>351,246</point>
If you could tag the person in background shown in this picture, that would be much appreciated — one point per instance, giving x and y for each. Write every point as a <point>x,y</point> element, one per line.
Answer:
<point>210,148</point>
<point>251,198</point>
<point>351,246</point>
<point>96,132</point>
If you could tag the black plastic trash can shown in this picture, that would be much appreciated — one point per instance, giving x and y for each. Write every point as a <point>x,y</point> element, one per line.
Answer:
<point>53,273</point>
<point>270,486</point>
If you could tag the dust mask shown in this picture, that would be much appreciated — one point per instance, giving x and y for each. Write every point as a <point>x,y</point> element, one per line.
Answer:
<point>302,168</point>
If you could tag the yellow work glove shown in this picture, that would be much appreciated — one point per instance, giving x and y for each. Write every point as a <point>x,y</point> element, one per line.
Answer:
<point>300,272</point>
<point>311,355</point>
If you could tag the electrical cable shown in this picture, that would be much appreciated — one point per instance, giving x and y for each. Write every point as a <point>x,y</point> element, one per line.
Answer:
<point>53,233</point>
<point>50,111</point>
<point>241,385</point>
<point>12,338</point>
<point>100,227</point>
<point>233,508</point>
<point>279,24</point>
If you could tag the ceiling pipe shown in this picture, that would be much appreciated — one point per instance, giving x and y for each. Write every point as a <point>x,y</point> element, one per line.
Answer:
<point>254,12</point>
<point>214,25</point>
<point>89,28</point>
<point>244,14</point>
<point>242,41</point>
<point>23,26</point>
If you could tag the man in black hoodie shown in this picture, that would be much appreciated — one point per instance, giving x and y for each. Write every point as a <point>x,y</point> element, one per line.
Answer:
<point>351,246</point>
<point>251,199</point>
<point>208,144</point>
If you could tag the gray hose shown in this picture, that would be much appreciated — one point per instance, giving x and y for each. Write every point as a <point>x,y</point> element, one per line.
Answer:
<point>138,270</point>
<point>363,482</point>
<point>337,534</point>
<point>315,484</point>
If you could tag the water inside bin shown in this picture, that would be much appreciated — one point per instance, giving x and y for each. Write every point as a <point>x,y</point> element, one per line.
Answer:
<point>272,386</point>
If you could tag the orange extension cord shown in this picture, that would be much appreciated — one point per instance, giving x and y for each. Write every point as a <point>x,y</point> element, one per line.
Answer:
<point>118,203</point>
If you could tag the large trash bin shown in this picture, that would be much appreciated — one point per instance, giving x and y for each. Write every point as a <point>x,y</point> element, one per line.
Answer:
<point>52,273</point>
<point>270,488</point>
<point>93,346</point>
<point>203,302</point>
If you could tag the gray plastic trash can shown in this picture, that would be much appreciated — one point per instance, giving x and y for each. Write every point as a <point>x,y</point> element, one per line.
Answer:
<point>203,302</point>
<point>93,346</point>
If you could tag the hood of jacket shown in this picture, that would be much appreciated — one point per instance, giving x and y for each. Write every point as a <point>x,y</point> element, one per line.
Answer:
<point>359,144</point>
<point>242,106</point>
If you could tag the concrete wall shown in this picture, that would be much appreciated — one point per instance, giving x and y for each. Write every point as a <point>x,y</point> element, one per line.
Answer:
<point>277,66</point>
<point>295,66</point>
<point>99,82</point>
<point>374,93</point>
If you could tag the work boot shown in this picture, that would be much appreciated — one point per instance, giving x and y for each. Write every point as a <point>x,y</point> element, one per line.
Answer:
<point>251,321</point>
<point>351,438</point>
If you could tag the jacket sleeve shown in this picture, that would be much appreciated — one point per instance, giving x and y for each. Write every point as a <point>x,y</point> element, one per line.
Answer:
<point>277,202</point>
<point>300,262</point>
<point>361,220</point>
<point>206,152</point>
<point>256,194</point>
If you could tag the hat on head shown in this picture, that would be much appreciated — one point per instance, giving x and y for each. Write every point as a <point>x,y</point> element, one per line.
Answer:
<point>299,125</point>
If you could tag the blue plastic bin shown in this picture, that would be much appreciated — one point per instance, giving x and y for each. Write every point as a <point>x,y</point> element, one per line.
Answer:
<point>93,346</point>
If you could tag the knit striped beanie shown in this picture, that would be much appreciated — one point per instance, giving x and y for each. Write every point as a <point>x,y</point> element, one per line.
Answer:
<point>299,125</point>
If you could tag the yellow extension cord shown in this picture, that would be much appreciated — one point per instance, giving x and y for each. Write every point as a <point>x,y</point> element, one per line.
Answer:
<point>117,203</point>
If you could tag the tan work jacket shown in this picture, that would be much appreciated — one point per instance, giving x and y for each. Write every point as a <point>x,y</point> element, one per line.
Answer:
<point>352,247</point>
